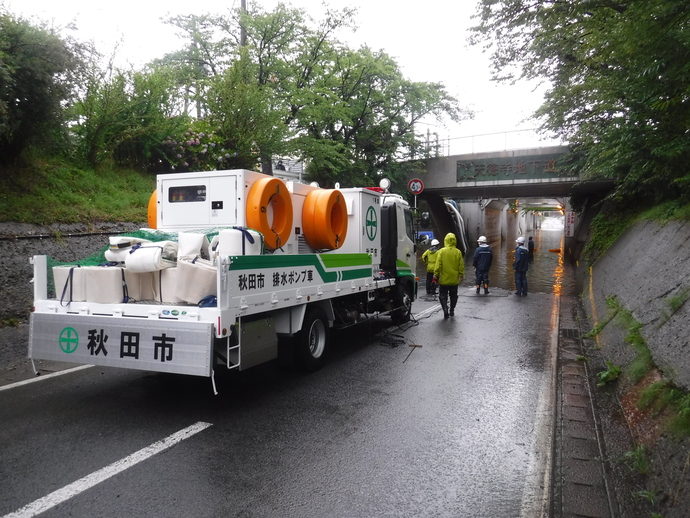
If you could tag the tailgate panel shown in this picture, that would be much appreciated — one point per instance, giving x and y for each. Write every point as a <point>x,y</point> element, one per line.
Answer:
<point>130,343</point>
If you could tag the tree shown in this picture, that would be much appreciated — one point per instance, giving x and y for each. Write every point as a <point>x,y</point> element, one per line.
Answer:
<point>294,89</point>
<point>620,83</point>
<point>36,67</point>
<point>352,113</point>
<point>248,116</point>
<point>207,54</point>
<point>366,111</point>
<point>126,117</point>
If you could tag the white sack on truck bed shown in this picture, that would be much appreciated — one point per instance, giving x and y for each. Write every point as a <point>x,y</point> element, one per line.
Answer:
<point>151,257</point>
<point>101,284</point>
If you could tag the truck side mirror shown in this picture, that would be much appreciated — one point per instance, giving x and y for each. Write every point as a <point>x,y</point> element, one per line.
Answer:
<point>425,220</point>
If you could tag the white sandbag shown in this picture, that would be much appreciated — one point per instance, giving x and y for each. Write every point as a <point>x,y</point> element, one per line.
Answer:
<point>69,284</point>
<point>108,284</point>
<point>238,241</point>
<point>196,279</point>
<point>151,257</point>
<point>149,283</point>
<point>167,288</point>
<point>120,246</point>
<point>192,244</point>
<point>102,284</point>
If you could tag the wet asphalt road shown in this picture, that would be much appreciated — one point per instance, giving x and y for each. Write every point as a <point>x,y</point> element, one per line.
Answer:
<point>459,426</point>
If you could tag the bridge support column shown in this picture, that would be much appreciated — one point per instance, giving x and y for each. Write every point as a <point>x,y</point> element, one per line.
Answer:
<point>443,222</point>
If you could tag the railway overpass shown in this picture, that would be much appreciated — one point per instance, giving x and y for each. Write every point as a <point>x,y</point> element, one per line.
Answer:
<point>490,188</point>
<point>534,173</point>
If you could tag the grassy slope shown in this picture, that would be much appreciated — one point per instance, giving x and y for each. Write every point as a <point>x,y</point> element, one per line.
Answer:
<point>609,225</point>
<point>48,192</point>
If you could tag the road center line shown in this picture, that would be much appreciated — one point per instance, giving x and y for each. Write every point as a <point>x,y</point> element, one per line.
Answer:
<point>44,377</point>
<point>81,485</point>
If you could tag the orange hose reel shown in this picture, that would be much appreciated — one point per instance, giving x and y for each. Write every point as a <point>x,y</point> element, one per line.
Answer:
<point>152,213</point>
<point>324,219</point>
<point>265,194</point>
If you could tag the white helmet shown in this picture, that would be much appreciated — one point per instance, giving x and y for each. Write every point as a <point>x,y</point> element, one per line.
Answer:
<point>482,239</point>
<point>520,240</point>
<point>434,242</point>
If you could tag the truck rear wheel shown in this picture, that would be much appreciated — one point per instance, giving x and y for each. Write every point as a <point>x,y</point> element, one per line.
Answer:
<point>403,305</point>
<point>311,342</point>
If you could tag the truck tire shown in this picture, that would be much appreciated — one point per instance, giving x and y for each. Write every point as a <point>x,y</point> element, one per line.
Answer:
<point>403,304</point>
<point>312,341</point>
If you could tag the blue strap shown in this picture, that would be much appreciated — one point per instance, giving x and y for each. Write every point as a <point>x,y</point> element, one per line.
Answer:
<point>245,235</point>
<point>69,282</point>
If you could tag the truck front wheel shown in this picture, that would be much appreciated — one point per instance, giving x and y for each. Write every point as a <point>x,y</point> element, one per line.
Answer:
<point>311,342</point>
<point>403,304</point>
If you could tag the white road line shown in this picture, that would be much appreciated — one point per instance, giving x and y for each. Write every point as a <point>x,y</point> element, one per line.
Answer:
<point>41,378</point>
<point>433,308</point>
<point>81,485</point>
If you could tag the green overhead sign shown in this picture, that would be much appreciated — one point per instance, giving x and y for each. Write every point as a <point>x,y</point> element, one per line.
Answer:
<point>510,168</point>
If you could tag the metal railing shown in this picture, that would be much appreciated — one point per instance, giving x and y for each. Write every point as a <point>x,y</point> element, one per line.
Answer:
<point>487,142</point>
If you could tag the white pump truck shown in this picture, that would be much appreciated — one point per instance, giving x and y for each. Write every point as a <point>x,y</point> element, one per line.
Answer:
<point>286,260</point>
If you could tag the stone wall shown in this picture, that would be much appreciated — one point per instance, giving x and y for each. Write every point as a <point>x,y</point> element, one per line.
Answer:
<point>18,243</point>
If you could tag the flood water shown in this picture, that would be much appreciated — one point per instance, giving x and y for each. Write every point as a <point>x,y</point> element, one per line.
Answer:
<point>549,272</point>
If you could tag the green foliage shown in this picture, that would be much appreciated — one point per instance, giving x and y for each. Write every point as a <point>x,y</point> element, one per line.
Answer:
<point>646,494</point>
<point>36,67</point>
<point>10,322</point>
<point>679,425</point>
<point>248,116</point>
<point>667,211</point>
<point>643,362</point>
<point>619,80</point>
<point>125,117</point>
<point>658,396</point>
<point>606,228</point>
<point>292,89</point>
<point>613,307</point>
<point>637,458</point>
<point>609,375</point>
<point>197,149</point>
<point>203,57</point>
<point>664,395</point>
<point>684,405</point>
<point>677,301</point>
<point>349,114</point>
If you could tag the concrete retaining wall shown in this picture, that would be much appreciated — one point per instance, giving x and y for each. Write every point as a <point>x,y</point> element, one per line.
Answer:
<point>647,269</point>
